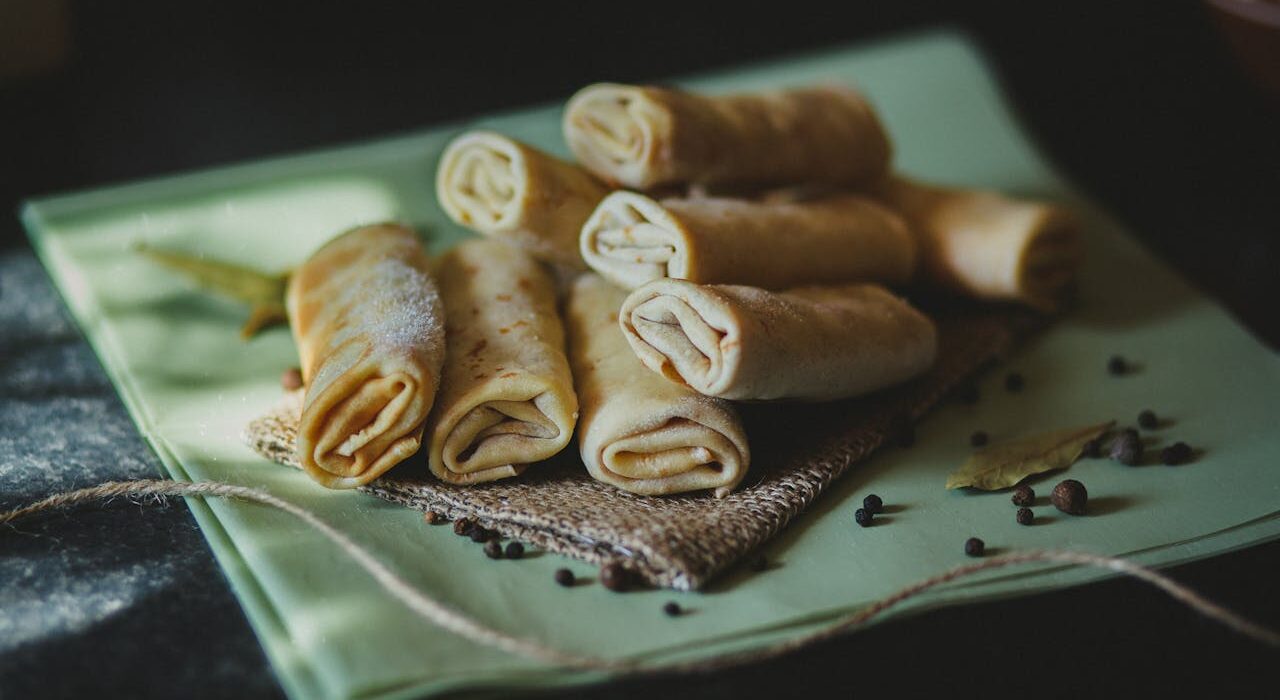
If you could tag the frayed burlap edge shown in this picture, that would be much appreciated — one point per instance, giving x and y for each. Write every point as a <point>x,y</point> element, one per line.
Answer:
<point>682,542</point>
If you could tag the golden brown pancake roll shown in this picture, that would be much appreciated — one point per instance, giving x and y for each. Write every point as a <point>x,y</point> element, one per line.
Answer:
<point>500,187</point>
<point>814,343</point>
<point>989,246</point>
<point>631,239</point>
<point>638,431</point>
<point>507,398</point>
<point>643,137</point>
<point>370,333</point>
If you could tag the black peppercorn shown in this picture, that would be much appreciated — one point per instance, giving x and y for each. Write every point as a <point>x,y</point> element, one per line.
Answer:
<point>862,516</point>
<point>493,549</point>
<point>978,438</point>
<point>463,526</point>
<point>672,609</point>
<point>873,504</point>
<point>1025,516</point>
<point>479,534</point>
<point>968,394</point>
<point>615,577</point>
<point>514,550</point>
<point>1126,448</point>
<point>974,547</point>
<point>564,577</point>
<point>1177,453</point>
<point>433,518</point>
<point>1013,382</point>
<point>1147,420</point>
<point>1117,365</point>
<point>1070,496</point>
<point>1024,496</point>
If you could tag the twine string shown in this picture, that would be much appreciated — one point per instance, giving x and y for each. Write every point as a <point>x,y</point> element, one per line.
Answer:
<point>440,614</point>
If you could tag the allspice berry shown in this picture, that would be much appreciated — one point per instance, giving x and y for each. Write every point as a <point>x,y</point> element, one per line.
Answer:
<point>1025,516</point>
<point>1070,496</point>
<point>974,547</point>
<point>1024,496</point>
<point>1127,447</point>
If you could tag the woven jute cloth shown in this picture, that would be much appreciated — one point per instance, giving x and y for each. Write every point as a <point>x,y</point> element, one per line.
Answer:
<point>682,542</point>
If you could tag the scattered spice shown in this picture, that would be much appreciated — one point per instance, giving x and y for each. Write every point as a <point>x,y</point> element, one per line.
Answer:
<point>1093,448</point>
<point>1117,365</point>
<point>433,518</point>
<point>974,547</point>
<point>1008,463</point>
<point>515,550</point>
<point>968,394</point>
<point>615,577</point>
<point>1175,454</point>
<point>862,516</point>
<point>291,379</point>
<point>493,550</point>
<point>1014,382</point>
<point>564,577</point>
<point>463,526</point>
<point>873,504</point>
<point>978,438</point>
<point>1025,516</point>
<point>1070,496</point>
<point>1127,447</point>
<point>1147,420</point>
<point>1024,496</point>
<point>672,609</point>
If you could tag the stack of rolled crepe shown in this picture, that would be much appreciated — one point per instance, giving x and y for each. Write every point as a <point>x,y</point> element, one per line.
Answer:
<point>369,328</point>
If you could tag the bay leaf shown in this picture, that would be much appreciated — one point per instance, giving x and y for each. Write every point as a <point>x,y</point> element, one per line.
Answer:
<point>262,291</point>
<point>1004,465</point>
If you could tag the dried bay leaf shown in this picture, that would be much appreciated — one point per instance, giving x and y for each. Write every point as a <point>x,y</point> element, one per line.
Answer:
<point>1004,465</point>
<point>263,292</point>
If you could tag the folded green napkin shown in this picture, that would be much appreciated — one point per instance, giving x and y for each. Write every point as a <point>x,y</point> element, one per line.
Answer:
<point>191,386</point>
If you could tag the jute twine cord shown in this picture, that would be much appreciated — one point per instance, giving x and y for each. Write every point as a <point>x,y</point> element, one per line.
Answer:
<point>435,612</point>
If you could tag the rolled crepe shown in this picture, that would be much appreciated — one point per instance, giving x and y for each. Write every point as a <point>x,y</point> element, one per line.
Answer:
<point>506,399</point>
<point>644,137</point>
<point>987,245</point>
<point>632,239</point>
<point>639,431</point>
<point>808,343</point>
<point>370,333</point>
<point>500,187</point>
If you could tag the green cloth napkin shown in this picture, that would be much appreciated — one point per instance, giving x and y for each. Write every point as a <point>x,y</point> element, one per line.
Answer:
<point>191,385</point>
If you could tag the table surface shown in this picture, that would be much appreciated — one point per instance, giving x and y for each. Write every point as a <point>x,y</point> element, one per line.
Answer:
<point>1143,110</point>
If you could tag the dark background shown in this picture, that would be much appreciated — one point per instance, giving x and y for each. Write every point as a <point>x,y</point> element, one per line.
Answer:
<point>1139,104</point>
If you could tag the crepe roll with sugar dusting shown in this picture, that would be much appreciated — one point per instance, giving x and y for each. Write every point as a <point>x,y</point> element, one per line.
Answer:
<point>500,187</point>
<point>507,399</point>
<point>369,327</point>
<point>813,343</point>
<point>632,239</point>
<point>638,431</point>
<point>642,137</point>
<point>987,245</point>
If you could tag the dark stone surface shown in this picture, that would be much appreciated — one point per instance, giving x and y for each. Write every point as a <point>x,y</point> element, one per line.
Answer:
<point>1136,102</point>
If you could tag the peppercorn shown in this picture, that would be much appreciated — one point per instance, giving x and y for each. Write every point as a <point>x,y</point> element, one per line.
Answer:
<point>672,609</point>
<point>480,534</point>
<point>493,549</point>
<point>1025,516</point>
<point>1013,382</point>
<point>873,504</point>
<point>1147,420</point>
<point>978,438</point>
<point>974,547</point>
<point>1126,448</point>
<point>515,550</point>
<point>862,516</point>
<point>1024,496</point>
<point>615,577</point>
<point>564,577</point>
<point>1117,365</point>
<point>291,379</point>
<point>433,518</point>
<point>1070,496</point>
<point>1175,454</point>
<point>968,394</point>
<point>463,526</point>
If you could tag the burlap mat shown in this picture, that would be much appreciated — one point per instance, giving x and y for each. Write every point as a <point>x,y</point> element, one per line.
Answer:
<point>681,542</point>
